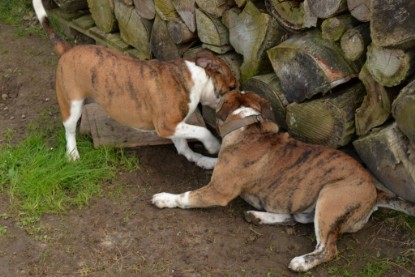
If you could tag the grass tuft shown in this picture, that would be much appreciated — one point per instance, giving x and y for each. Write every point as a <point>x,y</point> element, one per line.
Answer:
<point>39,178</point>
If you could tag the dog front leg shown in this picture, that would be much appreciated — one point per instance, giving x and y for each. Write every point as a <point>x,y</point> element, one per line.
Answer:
<point>184,149</point>
<point>187,131</point>
<point>207,196</point>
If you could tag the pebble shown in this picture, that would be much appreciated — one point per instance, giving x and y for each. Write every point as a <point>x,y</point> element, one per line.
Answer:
<point>23,116</point>
<point>4,96</point>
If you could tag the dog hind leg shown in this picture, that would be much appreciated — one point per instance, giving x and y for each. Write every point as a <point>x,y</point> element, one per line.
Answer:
<point>258,217</point>
<point>334,215</point>
<point>70,129</point>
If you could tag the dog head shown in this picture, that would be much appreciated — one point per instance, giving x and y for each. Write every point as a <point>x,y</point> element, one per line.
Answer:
<point>236,99</point>
<point>220,73</point>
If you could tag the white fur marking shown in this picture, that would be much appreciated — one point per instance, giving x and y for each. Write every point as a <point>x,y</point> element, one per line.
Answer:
<point>203,90</point>
<point>245,111</point>
<point>70,129</point>
<point>169,200</point>
<point>184,149</point>
<point>270,218</point>
<point>39,10</point>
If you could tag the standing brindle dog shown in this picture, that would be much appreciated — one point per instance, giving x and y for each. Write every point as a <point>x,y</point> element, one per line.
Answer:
<point>290,180</point>
<point>145,95</point>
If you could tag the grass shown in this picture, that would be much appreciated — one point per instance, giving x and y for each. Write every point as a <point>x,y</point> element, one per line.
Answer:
<point>20,13</point>
<point>39,179</point>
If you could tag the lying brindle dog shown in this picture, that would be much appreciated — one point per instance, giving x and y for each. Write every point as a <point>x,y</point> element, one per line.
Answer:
<point>289,180</point>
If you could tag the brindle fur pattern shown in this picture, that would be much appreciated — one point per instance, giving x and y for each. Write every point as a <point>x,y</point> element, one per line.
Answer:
<point>146,95</point>
<point>290,180</point>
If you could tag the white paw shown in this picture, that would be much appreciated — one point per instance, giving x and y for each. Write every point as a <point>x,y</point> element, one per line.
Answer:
<point>298,264</point>
<point>206,162</point>
<point>213,146</point>
<point>73,155</point>
<point>165,200</point>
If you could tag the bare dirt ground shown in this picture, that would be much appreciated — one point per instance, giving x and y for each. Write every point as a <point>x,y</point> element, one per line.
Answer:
<point>121,234</point>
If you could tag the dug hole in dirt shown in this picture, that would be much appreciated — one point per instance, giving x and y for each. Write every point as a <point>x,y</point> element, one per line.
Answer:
<point>121,234</point>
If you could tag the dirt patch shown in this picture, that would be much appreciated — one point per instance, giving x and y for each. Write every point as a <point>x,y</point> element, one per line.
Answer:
<point>121,234</point>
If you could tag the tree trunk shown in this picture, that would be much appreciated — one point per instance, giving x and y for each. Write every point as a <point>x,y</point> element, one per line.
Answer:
<point>376,106</point>
<point>307,65</point>
<point>390,67</point>
<point>165,9</point>
<point>145,8</point>
<point>186,11</point>
<point>360,9</point>
<point>390,157</point>
<point>102,11</point>
<point>334,27</point>
<point>354,42</point>
<point>211,30</point>
<point>251,39</point>
<point>392,23</point>
<point>71,5</point>
<point>134,30</point>
<point>327,8</point>
<point>328,120</point>
<point>403,110</point>
<point>268,86</point>
<point>292,15</point>
<point>179,32</point>
<point>162,45</point>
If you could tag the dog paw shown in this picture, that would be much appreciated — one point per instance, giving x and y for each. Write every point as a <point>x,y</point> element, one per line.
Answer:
<point>252,218</point>
<point>299,264</point>
<point>165,200</point>
<point>207,162</point>
<point>73,155</point>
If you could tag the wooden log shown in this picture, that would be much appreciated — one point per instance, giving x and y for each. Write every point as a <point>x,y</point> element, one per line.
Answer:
<point>355,41</point>
<point>376,105</point>
<point>162,45</point>
<point>403,110</point>
<point>179,32</point>
<point>307,64</point>
<point>102,12</point>
<point>215,8</point>
<point>134,30</point>
<point>390,67</point>
<point>229,15</point>
<point>392,23</point>
<point>390,157</point>
<point>145,8</point>
<point>106,131</point>
<point>334,27</point>
<point>71,5</point>
<point>328,120</point>
<point>211,30</point>
<point>251,39</point>
<point>268,86</point>
<point>234,61</point>
<point>217,49</point>
<point>292,15</point>
<point>327,8</point>
<point>186,11</point>
<point>360,9</point>
<point>165,9</point>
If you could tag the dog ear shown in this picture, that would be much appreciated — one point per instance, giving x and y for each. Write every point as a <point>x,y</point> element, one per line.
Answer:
<point>227,104</point>
<point>251,99</point>
<point>206,60</point>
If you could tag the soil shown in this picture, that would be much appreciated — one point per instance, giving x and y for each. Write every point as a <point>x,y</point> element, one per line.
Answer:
<point>120,233</point>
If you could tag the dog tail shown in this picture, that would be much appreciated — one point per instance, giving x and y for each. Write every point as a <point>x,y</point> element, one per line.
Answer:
<point>60,46</point>
<point>392,201</point>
